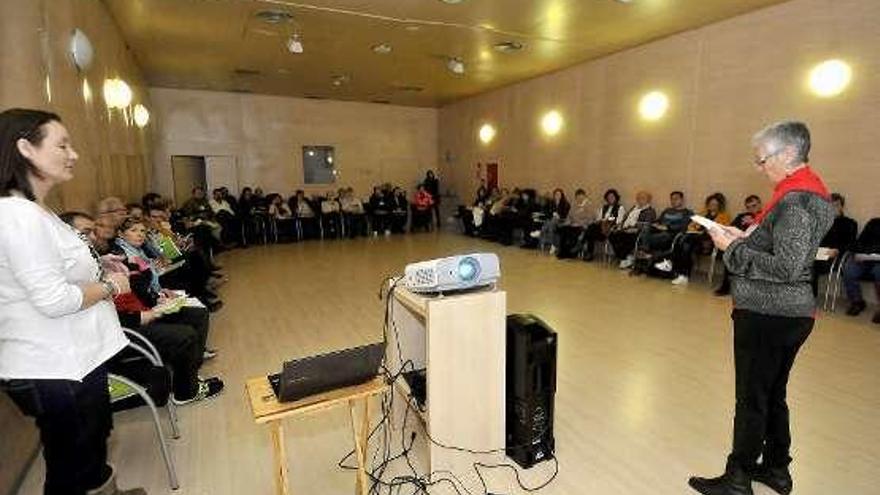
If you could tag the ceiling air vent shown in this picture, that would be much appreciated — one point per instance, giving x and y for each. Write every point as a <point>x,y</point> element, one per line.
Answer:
<point>274,16</point>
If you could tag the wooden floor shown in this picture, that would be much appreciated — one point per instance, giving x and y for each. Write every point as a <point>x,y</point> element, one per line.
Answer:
<point>645,382</point>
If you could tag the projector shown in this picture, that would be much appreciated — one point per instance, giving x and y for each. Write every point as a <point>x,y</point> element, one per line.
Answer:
<point>463,272</point>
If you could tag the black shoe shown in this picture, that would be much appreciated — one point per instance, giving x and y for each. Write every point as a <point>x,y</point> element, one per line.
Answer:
<point>722,291</point>
<point>856,308</point>
<point>778,479</point>
<point>588,257</point>
<point>214,306</point>
<point>876,318</point>
<point>731,483</point>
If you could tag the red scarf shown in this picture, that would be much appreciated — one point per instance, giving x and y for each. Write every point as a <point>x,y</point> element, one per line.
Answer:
<point>804,180</point>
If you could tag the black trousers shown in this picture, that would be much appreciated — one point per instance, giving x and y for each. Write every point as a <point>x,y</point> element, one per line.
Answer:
<point>178,345</point>
<point>75,420</point>
<point>764,349</point>
<point>568,239</point>
<point>198,319</point>
<point>623,243</point>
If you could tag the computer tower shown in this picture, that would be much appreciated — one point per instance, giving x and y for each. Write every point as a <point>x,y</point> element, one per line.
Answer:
<point>531,389</point>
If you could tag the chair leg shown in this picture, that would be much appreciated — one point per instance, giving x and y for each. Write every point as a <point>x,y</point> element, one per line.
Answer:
<point>172,419</point>
<point>712,266</point>
<point>163,445</point>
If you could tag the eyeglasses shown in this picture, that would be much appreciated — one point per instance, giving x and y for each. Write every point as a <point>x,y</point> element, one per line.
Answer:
<point>760,162</point>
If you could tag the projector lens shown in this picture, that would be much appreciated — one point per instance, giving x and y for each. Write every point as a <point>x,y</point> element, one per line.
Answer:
<point>468,269</point>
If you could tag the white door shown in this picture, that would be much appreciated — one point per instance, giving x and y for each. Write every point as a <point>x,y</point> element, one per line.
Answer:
<point>222,171</point>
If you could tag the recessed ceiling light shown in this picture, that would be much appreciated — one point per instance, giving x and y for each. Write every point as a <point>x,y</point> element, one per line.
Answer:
<point>274,16</point>
<point>382,49</point>
<point>455,65</point>
<point>508,46</point>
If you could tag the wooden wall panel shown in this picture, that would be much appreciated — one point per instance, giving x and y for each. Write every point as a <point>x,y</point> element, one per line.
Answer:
<point>725,81</point>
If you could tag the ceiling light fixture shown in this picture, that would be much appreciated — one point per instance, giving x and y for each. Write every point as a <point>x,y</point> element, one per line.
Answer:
<point>455,65</point>
<point>382,49</point>
<point>508,46</point>
<point>274,16</point>
<point>294,45</point>
<point>452,2</point>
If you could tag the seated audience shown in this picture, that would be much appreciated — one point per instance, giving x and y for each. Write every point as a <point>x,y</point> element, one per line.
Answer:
<point>569,231</point>
<point>638,218</point>
<point>554,214</point>
<point>608,217</point>
<point>864,265</point>
<point>422,208</point>
<point>331,216</point>
<point>742,221</point>
<point>837,241</point>
<point>112,209</point>
<point>282,216</point>
<point>135,210</point>
<point>695,241</point>
<point>198,215</point>
<point>353,213</point>
<point>105,232</point>
<point>380,211</point>
<point>466,213</point>
<point>225,215</point>
<point>671,222</point>
<point>305,214</point>
<point>399,210</point>
<point>180,335</point>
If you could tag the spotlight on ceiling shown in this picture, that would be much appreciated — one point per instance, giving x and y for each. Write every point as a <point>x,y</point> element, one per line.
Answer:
<point>294,45</point>
<point>508,46</point>
<point>382,49</point>
<point>455,65</point>
<point>141,116</point>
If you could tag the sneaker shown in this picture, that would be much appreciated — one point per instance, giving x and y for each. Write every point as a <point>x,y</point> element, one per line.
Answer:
<point>209,354</point>
<point>680,280</point>
<point>664,266</point>
<point>856,308</point>
<point>208,389</point>
<point>387,233</point>
<point>627,263</point>
<point>553,250</point>
<point>535,234</point>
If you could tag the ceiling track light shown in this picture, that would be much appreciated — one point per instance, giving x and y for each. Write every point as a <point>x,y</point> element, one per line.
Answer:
<point>294,44</point>
<point>455,65</point>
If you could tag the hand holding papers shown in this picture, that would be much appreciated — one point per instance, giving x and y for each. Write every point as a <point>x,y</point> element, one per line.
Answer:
<point>722,235</point>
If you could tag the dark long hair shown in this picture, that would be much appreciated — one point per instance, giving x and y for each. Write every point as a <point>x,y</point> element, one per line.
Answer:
<point>15,124</point>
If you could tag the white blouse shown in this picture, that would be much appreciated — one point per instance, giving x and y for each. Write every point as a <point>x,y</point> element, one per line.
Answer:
<point>43,332</point>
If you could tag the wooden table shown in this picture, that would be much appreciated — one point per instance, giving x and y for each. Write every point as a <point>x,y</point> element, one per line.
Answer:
<point>267,409</point>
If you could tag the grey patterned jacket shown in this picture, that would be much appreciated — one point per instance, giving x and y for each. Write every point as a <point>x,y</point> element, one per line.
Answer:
<point>771,268</point>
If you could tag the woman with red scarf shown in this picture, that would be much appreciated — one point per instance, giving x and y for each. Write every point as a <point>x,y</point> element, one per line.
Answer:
<point>773,307</point>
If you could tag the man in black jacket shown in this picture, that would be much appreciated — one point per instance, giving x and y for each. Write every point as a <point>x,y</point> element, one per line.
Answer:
<point>837,241</point>
<point>864,265</point>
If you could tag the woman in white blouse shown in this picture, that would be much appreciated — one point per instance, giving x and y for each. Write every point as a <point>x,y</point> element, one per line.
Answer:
<point>57,324</point>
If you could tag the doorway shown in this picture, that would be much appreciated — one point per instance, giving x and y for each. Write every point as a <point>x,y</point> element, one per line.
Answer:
<point>187,172</point>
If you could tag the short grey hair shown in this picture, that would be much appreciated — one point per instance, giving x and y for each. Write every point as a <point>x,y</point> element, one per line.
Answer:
<point>784,134</point>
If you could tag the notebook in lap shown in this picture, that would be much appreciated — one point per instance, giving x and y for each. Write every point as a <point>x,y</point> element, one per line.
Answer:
<point>315,374</point>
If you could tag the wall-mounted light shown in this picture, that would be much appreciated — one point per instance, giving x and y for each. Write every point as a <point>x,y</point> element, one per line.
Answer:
<point>81,51</point>
<point>552,123</point>
<point>141,116</point>
<point>653,106</point>
<point>487,133</point>
<point>117,93</point>
<point>294,45</point>
<point>830,78</point>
